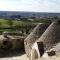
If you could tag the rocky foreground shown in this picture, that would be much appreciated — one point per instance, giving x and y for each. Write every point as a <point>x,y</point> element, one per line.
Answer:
<point>23,57</point>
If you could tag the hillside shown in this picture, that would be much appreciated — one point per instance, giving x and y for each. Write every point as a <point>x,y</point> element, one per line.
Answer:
<point>26,14</point>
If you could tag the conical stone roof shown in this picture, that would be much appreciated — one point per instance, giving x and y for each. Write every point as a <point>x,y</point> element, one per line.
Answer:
<point>33,36</point>
<point>51,36</point>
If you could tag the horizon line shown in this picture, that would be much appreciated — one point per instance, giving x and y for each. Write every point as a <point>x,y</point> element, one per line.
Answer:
<point>29,11</point>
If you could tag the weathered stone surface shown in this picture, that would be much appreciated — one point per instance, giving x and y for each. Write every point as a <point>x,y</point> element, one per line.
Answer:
<point>51,36</point>
<point>11,42</point>
<point>34,35</point>
<point>48,41</point>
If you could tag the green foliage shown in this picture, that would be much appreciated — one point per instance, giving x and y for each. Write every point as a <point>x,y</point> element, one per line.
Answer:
<point>5,25</point>
<point>24,25</point>
<point>46,21</point>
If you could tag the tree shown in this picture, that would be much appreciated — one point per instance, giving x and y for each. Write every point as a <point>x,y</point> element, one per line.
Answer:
<point>10,23</point>
<point>0,24</point>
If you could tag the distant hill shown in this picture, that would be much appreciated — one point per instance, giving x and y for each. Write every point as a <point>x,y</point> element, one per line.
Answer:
<point>25,14</point>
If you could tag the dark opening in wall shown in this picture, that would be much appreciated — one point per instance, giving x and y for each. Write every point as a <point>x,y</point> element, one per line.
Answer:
<point>41,48</point>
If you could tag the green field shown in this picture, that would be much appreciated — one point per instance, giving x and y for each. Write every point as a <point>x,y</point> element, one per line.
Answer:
<point>23,25</point>
<point>13,25</point>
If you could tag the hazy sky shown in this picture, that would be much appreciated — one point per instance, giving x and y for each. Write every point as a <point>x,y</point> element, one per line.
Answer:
<point>30,5</point>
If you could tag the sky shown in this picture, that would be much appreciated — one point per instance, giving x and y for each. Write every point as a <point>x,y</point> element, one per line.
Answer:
<point>30,5</point>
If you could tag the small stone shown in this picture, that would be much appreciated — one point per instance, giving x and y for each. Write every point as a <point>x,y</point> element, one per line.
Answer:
<point>51,53</point>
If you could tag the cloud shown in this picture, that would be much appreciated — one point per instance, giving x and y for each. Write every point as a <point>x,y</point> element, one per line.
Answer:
<point>30,5</point>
